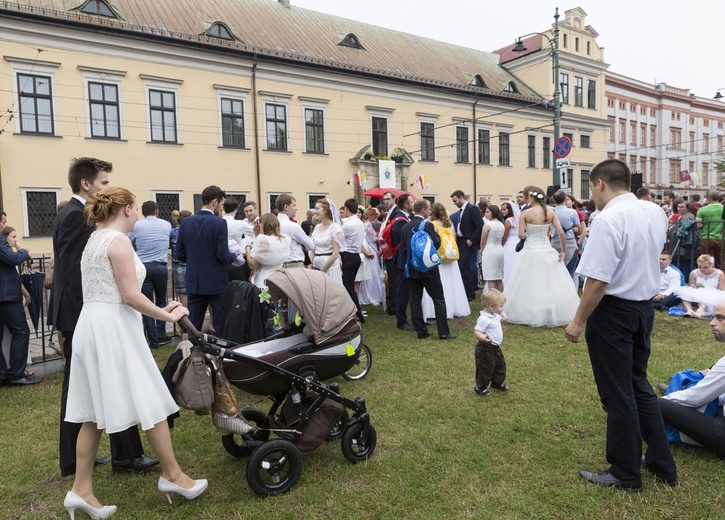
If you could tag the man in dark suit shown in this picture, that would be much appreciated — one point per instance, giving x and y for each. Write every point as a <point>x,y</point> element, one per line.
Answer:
<point>203,245</point>
<point>468,223</point>
<point>403,209</point>
<point>86,177</point>
<point>12,314</point>
<point>430,280</point>
<point>389,200</point>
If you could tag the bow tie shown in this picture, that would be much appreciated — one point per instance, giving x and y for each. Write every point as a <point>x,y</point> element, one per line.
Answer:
<point>663,271</point>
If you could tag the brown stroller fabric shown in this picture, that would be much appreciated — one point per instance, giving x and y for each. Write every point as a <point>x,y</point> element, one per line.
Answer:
<point>319,428</point>
<point>323,302</point>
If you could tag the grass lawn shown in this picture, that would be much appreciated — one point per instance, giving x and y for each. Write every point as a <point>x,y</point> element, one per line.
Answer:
<point>442,451</point>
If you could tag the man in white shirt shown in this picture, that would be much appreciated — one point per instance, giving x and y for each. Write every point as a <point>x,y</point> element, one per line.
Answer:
<point>680,409</point>
<point>250,212</point>
<point>670,279</point>
<point>287,209</point>
<point>353,231</point>
<point>620,264</point>
<point>235,230</point>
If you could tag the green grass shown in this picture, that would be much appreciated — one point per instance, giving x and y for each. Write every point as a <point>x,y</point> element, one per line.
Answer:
<point>442,452</point>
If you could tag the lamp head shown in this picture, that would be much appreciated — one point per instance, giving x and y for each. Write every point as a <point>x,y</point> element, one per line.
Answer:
<point>519,48</point>
<point>718,95</point>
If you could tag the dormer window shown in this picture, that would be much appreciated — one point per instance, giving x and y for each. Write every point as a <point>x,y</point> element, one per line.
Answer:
<point>219,30</point>
<point>98,7</point>
<point>511,87</point>
<point>477,81</point>
<point>351,41</point>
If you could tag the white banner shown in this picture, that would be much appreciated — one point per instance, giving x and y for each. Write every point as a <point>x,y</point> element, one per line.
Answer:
<point>387,174</point>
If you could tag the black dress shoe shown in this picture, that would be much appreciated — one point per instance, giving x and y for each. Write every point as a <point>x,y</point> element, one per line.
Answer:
<point>605,478</point>
<point>136,464</point>
<point>447,336</point>
<point>24,381</point>
<point>97,462</point>
<point>423,335</point>
<point>405,327</point>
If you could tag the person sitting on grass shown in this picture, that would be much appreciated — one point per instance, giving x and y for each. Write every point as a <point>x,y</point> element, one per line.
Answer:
<point>670,279</point>
<point>490,362</point>
<point>703,281</point>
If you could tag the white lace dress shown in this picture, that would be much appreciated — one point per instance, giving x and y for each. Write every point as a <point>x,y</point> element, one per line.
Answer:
<point>509,249</point>
<point>492,254</point>
<point>539,291</point>
<point>323,249</point>
<point>114,379</point>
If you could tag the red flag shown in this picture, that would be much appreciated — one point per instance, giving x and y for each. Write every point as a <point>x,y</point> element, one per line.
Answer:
<point>684,176</point>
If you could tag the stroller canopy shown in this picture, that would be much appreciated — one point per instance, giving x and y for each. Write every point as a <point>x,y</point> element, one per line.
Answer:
<point>323,302</point>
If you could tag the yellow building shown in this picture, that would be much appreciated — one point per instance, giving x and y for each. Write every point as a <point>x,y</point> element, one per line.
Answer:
<point>259,97</point>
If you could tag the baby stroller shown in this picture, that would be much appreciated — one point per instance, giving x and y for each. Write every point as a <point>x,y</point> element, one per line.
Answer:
<point>290,369</point>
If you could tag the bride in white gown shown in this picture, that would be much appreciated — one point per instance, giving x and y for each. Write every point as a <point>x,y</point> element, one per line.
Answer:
<point>539,291</point>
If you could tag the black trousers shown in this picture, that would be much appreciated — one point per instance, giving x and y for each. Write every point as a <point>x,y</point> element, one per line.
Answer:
<point>434,288</point>
<point>706,430</point>
<point>197,309</point>
<point>12,314</point>
<point>490,365</point>
<point>468,265</point>
<point>668,301</point>
<point>392,285</point>
<point>401,297</point>
<point>618,339</point>
<point>350,263</point>
<point>124,445</point>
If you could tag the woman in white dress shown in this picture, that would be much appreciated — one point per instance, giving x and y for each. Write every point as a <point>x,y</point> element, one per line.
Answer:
<point>115,382</point>
<point>706,288</point>
<point>539,292</point>
<point>269,252</point>
<point>327,237</point>
<point>510,212</point>
<point>371,290</point>
<point>453,289</point>
<point>492,236</point>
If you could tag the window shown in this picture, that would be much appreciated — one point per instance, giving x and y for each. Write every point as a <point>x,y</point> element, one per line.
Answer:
<point>675,168</point>
<point>676,138</point>
<point>271,200</point>
<point>232,111</point>
<point>39,211</point>
<point>610,102</point>
<point>611,127</point>
<point>167,202</point>
<point>503,149</point>
<point>546,152</point>
<point>276,116</point>
<point>380,136</point>
<point>632,163</point>
<point>566,41</point>
<point>576,44</point>
<point>591,92</point>
<point>706,122</point>
<point>622,132</point>
<point>477,81</point>
<point>652,169</point>
<point>99,7</point>
<point>461,144</point>
<point>692,166</point>
<point>219,30</point>
<point>427,142</point>
<point>162,107</point>
<point>653,135</point>
<point>642,110</point>
<point>585,141</point>
<point>312,199</point>
<point>632,107</point>
<point>719,144</point>
<point>692,142</point>
<point>314,130</point>
<point>632,132</point>
<point>622,105</point>
<point>429,198</point>
<point>584,176</point>
<point>531,151</point>
<point>569,136</point>
<point>351,41</point>
<point>643,134</point>
<point>578,91</point>
<point>705,174</point>
<point>706,143</point>
<point>36,104</point>
<point>652,112</point>
<point>589,50</point>
<point>692,120</point>
<point>564,85</point>
<point>484,146</point>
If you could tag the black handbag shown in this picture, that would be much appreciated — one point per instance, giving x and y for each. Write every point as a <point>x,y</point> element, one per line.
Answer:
<point>520,245</point>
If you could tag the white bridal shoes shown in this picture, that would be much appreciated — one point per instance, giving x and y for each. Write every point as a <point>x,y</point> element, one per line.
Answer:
<point>73,502</point>
<point>167,488</point>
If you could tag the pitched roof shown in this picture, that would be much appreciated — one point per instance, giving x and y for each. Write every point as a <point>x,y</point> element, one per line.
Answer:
<point>267,27</point>
<point>532,43</point>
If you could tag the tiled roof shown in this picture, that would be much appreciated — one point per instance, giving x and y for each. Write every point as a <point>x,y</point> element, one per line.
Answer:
<point>267,27</point>
<point>532,43</point>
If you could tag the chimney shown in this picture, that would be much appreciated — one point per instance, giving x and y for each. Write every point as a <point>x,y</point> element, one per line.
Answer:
<point>285,3</point>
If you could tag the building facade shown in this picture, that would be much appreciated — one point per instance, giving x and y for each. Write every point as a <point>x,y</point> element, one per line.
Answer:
<point>669,136</point>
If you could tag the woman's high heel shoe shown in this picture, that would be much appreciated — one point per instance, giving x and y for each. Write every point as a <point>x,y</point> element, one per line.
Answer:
<point>167,488</point>
<point>73,502</point>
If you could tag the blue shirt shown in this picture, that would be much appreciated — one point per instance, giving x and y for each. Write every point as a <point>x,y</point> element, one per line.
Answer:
<point>150,238</point>
<point>568,218</point>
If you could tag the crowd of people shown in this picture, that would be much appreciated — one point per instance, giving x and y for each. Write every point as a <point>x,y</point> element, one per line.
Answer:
<point>527,258</point>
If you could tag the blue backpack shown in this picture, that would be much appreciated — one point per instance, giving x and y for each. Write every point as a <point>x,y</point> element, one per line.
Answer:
<point>422,253</point>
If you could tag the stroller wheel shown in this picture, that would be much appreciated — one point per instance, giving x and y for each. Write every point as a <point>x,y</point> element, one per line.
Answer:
<point>362,366</point>
<point>338,427</point>
<point>356,445</point>
<point>236,445</point>
<point>274,468</point>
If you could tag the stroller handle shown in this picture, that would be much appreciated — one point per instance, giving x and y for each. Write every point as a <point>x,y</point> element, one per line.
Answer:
<point>196,337</point>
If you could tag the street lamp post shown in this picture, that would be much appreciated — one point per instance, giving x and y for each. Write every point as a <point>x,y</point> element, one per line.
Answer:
<point>554,44</point>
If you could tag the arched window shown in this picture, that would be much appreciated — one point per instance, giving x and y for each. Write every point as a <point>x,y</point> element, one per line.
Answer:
<point>219,30</point>
<point>351,41</point>
<point>99,7</point>
<point>511,87</point>
<point>477,81</point>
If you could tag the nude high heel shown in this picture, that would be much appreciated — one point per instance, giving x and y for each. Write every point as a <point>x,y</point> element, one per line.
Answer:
<point>167,488</point>
<point>73,502</point>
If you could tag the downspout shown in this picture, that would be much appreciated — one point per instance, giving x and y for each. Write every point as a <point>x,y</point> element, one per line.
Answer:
<point>256,136</point>
<point>475,174</point>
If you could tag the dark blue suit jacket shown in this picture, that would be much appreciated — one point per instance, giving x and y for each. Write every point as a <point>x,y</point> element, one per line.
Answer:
<point>203,245</point>
<point>471,223</point>
<point>9,277</point>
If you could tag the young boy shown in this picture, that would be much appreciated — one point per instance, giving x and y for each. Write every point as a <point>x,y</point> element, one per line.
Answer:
<point>490,363</point>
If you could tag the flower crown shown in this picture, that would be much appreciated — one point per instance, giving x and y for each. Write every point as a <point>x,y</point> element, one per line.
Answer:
<point>537,195</point>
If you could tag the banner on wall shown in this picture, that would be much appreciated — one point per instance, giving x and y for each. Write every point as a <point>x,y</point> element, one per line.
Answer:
<point>360,179</point>
<point>387,174</point>
<point>422,181</point>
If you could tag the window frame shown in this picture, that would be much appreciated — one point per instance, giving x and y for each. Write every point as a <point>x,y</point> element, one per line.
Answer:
<point>463,154</point>
<point>24,191</point>
<point>591,93</point>
<point>168,86</point>
<point>578,91</point>
<point>585,141</point>
<point>504,148</point>
<point>484,147</point>
<point>28,67</point>
<point>564,87</point>
<point>224,92</point>
<point>104,77</point>
<point>375,143</point>
<point>178,193</point>
<point>276,122</point>
<point>547,151</point>
<point>282,100</point>
<point>427,142</point>
<point>317,197</point>
<point>531,151</point>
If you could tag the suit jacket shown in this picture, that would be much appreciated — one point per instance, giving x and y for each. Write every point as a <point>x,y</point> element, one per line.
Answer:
<point>471,223</point>
<point>70,236</point>
<point>416,222</point>
<point>9,277</point>
<point>203,245</point>
<point>396,232</point>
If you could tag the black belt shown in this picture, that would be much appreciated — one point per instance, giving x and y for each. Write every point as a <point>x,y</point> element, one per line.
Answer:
<point>321,254</point>
<point>154,263</point>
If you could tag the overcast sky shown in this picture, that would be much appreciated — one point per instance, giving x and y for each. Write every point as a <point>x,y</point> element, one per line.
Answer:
<point>679,43</point>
